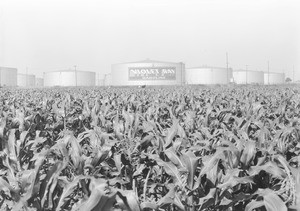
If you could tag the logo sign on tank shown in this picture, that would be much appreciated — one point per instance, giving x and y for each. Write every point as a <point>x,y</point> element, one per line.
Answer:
<point>151,73</point>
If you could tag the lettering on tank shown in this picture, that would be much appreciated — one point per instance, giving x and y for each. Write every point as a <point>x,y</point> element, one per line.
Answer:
<point>151,73</point>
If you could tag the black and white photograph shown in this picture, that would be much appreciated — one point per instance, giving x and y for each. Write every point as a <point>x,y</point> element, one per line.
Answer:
<point>149,105</point>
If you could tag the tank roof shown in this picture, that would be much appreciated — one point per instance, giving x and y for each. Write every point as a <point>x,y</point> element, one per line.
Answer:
<point>69,70</point>
<point>273,73</point>
<point>149,61</point>
<point>26,74</point>
<point>8,67</point>
<point>205,66</point>
<point>242,70</point>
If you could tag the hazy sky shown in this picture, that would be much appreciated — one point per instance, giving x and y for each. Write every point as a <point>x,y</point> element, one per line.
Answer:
<point>46,35</point>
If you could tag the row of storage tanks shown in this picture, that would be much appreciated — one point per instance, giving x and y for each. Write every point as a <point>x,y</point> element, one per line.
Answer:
<point>149,72</point>
<point>11,78</point>
<point>146,72</point>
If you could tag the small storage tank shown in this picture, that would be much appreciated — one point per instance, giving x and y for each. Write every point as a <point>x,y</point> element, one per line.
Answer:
<point>274,78</point>
<point>8,76</point>
<point>208,75</point>
<point>26,80</point>
<point>248,77</point>
<point>70,78</point>
<point>100,82</point>
<point>39,82</point>
<point>146,72</point>
<point>107,80</point>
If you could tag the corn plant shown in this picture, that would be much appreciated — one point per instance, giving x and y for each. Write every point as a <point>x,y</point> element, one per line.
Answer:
<point>188,148</point>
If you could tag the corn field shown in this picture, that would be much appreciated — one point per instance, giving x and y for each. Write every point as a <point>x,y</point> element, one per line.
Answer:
<point>172,148</point>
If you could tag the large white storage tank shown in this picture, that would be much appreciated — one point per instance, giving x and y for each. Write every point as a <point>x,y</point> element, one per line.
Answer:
<point>208,75</point>
<point>39,82</point>
<point>26,80</point>
<point>274,78</point>
<point>8,76</point>
<point>147,72</point>
<point>248,77</point>
<point>70,78</point>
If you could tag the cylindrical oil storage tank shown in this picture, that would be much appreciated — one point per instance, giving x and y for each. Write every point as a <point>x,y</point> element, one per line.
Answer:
<point>274,78</point>
<point>8,76</point>
<point>208,75</point>
<point>39,82</point>
<point>101,82</point>
<point>107,80</point>
<point>248,77</point>
<point>70,78</point>
<point>146,72</point>
<point>26,80</point>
